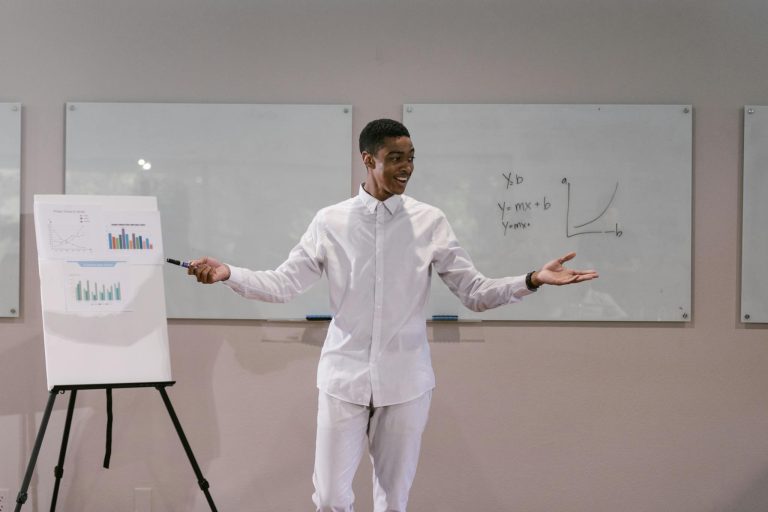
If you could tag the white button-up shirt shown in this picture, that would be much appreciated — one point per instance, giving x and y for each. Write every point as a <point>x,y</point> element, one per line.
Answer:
<point>379,258</point>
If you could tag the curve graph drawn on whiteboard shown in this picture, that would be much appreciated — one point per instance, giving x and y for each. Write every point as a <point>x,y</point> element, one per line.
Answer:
<point>597,225</point>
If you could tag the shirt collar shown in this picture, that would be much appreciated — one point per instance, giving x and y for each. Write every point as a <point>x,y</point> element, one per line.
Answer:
<point>392,204</point>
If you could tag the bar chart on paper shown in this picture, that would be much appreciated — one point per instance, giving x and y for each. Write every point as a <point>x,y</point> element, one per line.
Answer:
<point>98,292</point>
<point>97,287</point>
<point>133,237</point>
<point>128,241</point>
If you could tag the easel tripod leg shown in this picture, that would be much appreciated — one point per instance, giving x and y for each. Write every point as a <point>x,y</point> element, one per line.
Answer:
<point>58,472</point>
<point>22,496</point>
<point>201,481</point>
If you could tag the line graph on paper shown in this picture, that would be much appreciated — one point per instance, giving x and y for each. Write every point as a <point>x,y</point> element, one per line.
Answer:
<point>600,224</point>
<point>68,238</point>
<point>70,232</point>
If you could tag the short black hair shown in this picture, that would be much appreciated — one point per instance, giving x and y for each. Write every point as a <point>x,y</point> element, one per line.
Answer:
<point>373,135</point>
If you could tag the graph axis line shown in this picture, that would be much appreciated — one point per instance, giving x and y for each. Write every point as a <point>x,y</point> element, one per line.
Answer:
<point>568,233</point>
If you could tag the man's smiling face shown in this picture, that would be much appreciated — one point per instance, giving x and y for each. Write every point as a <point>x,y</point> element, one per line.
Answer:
<point>390,168</point>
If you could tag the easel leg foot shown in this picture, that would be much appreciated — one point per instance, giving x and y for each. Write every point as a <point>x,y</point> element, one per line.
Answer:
<point>22,496</point>
<point>201,481</point>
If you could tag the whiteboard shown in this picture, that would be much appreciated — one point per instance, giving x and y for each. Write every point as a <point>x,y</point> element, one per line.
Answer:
<point>10,206</point>
<point>524,184</point>
<point>103,306</point>
<point>237,182</point>
<point>754,242</point>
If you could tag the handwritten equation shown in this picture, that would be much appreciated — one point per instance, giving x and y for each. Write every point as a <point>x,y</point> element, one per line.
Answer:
<point>518,212</point>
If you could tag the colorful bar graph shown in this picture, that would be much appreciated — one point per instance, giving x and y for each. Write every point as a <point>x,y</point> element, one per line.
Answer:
<point>127,241</point>
<point>86,293</point>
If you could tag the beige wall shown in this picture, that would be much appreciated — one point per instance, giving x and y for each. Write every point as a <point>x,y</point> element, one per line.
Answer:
<point>528,416</point>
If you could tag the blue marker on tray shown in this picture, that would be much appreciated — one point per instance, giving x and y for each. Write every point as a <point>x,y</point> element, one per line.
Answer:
<point>450,318</point>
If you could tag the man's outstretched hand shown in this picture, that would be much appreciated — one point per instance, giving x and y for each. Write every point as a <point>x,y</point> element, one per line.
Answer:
<point>556,274</point>
<point>208,270</point>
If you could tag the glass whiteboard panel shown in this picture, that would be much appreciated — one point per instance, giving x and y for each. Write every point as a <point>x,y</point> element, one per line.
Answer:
<point>10,206</point>
<point>754,242</point>
<point>237,182</point>
<point>523,184</point>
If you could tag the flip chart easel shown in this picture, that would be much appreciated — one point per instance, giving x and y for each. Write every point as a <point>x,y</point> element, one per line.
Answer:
<point>59,469</point>
<point>104,323</point>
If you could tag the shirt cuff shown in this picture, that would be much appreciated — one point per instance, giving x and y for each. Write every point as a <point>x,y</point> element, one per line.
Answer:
<point>520,289</point>
<point>235,277</point>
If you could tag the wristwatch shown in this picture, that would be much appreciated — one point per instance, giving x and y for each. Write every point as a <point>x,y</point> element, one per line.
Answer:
<point>529,281</point>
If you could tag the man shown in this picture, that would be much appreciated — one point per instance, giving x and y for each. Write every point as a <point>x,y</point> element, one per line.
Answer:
<point>375,377</point>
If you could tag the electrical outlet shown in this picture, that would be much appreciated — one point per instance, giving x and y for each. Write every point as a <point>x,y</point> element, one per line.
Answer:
<point>5,500</point>
<point>142,499</point>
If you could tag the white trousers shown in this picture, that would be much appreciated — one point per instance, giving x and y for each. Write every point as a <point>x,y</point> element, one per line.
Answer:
<point>394,441</point>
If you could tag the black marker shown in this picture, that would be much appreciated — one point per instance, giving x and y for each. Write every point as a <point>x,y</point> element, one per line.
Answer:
<point>184,264</point>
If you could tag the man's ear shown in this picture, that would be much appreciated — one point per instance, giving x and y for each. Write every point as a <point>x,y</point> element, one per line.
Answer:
<point>368,160</point>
